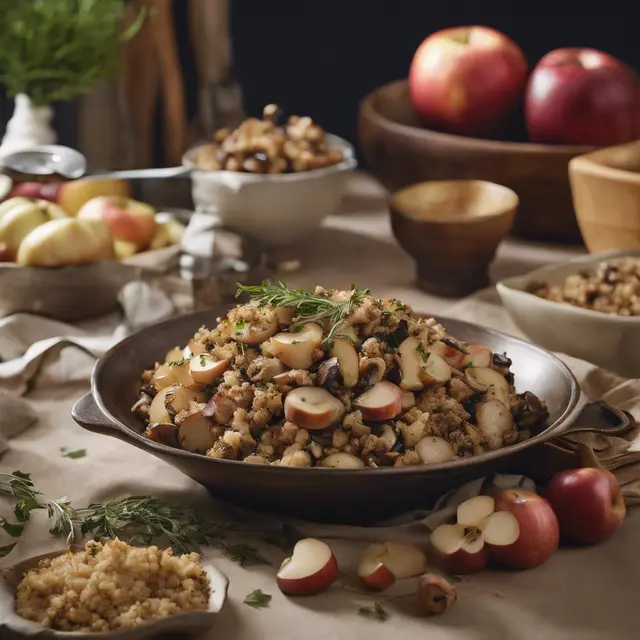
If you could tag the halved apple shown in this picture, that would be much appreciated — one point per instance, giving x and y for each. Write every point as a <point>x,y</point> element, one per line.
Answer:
<point>347,357</point>
<point>475,510</point>
<point>342,460</point>
<point>204,369</point>
<point>296,348</point>
<point>382,402</point>
<point>311,569</point>
<point>313,408</point>
<point>383,563</point>
<point>457,549</point>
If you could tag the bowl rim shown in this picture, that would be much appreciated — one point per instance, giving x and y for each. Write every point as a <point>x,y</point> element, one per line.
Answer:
<point>368,110</point>
<point>588,163</point>
<point>348,163</point>
<point>506,209</point>
<point>513,286</point>
<point>115,426</point>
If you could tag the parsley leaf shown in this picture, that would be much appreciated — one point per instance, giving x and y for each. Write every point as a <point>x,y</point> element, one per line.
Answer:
<point>74,455</point>
<point>257,599</point>
<point>377,611</point>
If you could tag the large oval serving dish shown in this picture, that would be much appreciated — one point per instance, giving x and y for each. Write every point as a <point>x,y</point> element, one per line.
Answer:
<point>348,496</point>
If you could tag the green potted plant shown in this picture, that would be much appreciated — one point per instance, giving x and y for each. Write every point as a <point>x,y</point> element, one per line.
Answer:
<point>54,50</point>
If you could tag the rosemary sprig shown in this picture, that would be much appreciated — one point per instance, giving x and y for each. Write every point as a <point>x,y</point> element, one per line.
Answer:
<point>377,612</point>
<point>309,306</point>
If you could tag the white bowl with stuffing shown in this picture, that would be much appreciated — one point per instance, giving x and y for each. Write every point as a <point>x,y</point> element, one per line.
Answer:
<point>271,181</point>
<point>110,591</point>
<point>588,308</point>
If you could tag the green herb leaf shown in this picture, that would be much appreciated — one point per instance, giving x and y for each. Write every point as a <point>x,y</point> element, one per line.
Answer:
<point>437,409</point>
<point>11,528</point>
<point>7,549</point>
<point>178,363</point>
<point>257,599</point>
<point>469,365</point>
<point>424,354</point>
<point>203,360</point>
<point>74,455</point>
<point>377,611</point>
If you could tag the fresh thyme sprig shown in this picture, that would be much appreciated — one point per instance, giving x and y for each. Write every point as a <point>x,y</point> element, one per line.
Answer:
<point>309,306</point>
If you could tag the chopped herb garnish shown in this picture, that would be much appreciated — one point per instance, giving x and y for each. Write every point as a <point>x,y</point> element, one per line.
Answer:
<point>424,354</point>
<point>298,342</point>
<point>257,599</point>
<point>179,363</point>
<point>437,409</point>
<point>399,305</point>
<point>203,360</point>
<point>241,345</point>
<point>469,365</point>
<point>377,611</point>
<point>78,453</point>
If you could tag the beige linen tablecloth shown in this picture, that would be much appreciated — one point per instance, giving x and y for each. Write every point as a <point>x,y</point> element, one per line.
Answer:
<point>581,594</point>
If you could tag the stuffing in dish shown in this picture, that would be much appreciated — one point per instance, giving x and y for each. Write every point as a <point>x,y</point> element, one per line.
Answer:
<point>610,287</point>
<point>264,146</point>
<point>336,379</point>
<point>111,586</point>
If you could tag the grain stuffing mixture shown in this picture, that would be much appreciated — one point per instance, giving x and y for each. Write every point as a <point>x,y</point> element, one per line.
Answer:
<point>336,379</point>
<point>111,586</point>
<point>610,287</point>
<point>265,146</point>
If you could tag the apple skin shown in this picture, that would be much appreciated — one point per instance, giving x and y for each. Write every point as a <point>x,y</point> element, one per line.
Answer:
<point>588,503</point>
<point>582,97</point>
<point>128,220</point>
<point>467,80</point>
<point>379,579</point>
<point>539,530</point>
<point>311,585</point>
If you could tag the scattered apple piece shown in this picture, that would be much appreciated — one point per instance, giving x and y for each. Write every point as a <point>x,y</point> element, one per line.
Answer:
<point>382,402</point>
<point>382,563</point>
<point>296,348</point>
<point>457,549</point>
<point>204,369</point>
<point>311,569</point>
<point>157,410</point>
<point>435,594</point>
<point>313,408</point>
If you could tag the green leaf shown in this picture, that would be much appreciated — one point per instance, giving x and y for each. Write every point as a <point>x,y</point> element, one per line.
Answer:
<point>257,599</point>
<point>7,549</point>
<point>74,455</point>
<point>377,611</point>
<point>13,529</point>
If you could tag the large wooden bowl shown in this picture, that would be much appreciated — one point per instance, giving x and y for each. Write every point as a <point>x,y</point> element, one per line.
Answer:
<point>402,152</point>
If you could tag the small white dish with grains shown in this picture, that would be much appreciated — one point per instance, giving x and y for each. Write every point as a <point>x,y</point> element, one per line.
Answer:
<point>110,590</point>
<point>588,308</point>
<point>273,181</point>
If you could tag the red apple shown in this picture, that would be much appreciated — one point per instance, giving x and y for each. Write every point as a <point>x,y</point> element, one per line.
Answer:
<point>582,97</point>
<point>384,562</point>
<point>382,402</point>
<point>467,80</point>
<point>588,503</point>
<point>313,408</point>
<point>539,533</point>
<point>311,569</point>
<point>457,549</point>
<point>129,220</point>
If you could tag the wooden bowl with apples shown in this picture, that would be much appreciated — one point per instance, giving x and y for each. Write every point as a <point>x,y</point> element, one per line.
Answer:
<point>65,252</point>
<point>470,109</point>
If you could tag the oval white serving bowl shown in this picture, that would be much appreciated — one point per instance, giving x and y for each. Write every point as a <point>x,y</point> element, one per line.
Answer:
<point>187,622</point>
<point>609,341</point>
<point>276,208</point>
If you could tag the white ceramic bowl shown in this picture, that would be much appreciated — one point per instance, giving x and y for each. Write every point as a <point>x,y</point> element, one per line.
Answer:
<point>610,341</point>
<point>187,622</point>
<point>276,208</point>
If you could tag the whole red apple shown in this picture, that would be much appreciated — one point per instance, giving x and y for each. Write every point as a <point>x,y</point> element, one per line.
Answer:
<point>467,80</point>
<point>582,97</point>
<point>539,531</point>
<point>588,503</point>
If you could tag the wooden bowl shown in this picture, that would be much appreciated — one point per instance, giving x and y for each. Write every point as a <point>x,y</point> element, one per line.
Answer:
<point>606,196</point>
<point>452,229</point>
<point>401,152</point>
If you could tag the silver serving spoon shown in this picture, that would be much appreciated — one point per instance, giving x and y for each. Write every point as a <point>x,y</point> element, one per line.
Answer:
<point>52,160</point>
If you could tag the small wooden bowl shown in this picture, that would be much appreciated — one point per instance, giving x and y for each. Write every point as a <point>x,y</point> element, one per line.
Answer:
<point>606,195</point>
<point>452,229</point>
<point>401,152</point>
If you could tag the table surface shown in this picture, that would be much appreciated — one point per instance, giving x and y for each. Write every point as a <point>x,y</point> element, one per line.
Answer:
<point>583,594</point>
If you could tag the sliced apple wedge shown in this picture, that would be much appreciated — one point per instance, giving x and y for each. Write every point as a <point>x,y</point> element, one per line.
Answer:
<point>254,332</point>
<point>342,460</point>
<point>475,510</point>
<point>500,529</point>
<point>195,434</point>
<point>311,569</point>
<point>434,369</point>
<point>313,408</point>
<point>494,419</point>
<point>347,357</point>
<point>478,356</point>
<point>433,449</point>
<point>383,563</point>
<point>457,549</point>
<point>382,402</point>
<point>453,356</point>
<point>296,348</point>
<point>204,369</point>
<point>374,573</point>
<point>175,372</point>
<point>408,400</point>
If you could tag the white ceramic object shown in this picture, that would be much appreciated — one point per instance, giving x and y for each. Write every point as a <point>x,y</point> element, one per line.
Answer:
<point>28,127</point>
<point>278,209</point>
<point>610,341</point>
<point>188,622</point>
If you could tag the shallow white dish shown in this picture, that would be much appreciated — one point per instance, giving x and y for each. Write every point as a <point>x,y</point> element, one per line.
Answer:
<point>185,623</point>
<point>277,208</point>
<point>610,341</point>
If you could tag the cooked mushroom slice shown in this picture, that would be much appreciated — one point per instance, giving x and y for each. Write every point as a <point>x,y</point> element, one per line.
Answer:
<point>347,358</point>
<point>478,356</point>
<point>421,367</point>
<point>328,373</point>
<point>489,382</point>
<point>295,378</point>
<point>296,348</point>
<point>494,420</point>
<point>284,315</point>
<point>501,363</point>
<point>254,332</point>
<point>205,369</point>
<point>158,409</point>
<point>195,432</point>
<point>372,370</point>
<point>529,411</point>
<point>313,408</point>
<point>434,370</point>
<point>434,449</point>
<point>264,369</point>
<point>342,460</point>
<point>164,433</point>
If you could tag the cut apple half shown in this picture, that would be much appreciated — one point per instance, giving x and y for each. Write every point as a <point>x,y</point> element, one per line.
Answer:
<point>500,529</point>
<point>347,357</point>
<point>296,348</point>
<point>475,510</point>
<point>311,569</point>
<point>457,549</point>
<point>313,408</point>
<point>383,563</point>
<point>382,402</point>
<point>205,370</point>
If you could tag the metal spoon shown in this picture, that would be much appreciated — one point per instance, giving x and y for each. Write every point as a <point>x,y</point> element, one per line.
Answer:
<point>52,160</point>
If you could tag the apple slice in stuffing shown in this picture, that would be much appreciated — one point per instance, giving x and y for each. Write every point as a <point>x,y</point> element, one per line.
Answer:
<point>296,348</point>
<point>313,408</point>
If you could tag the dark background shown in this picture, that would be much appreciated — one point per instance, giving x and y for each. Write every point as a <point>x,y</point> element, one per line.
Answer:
<point>320,57</point>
